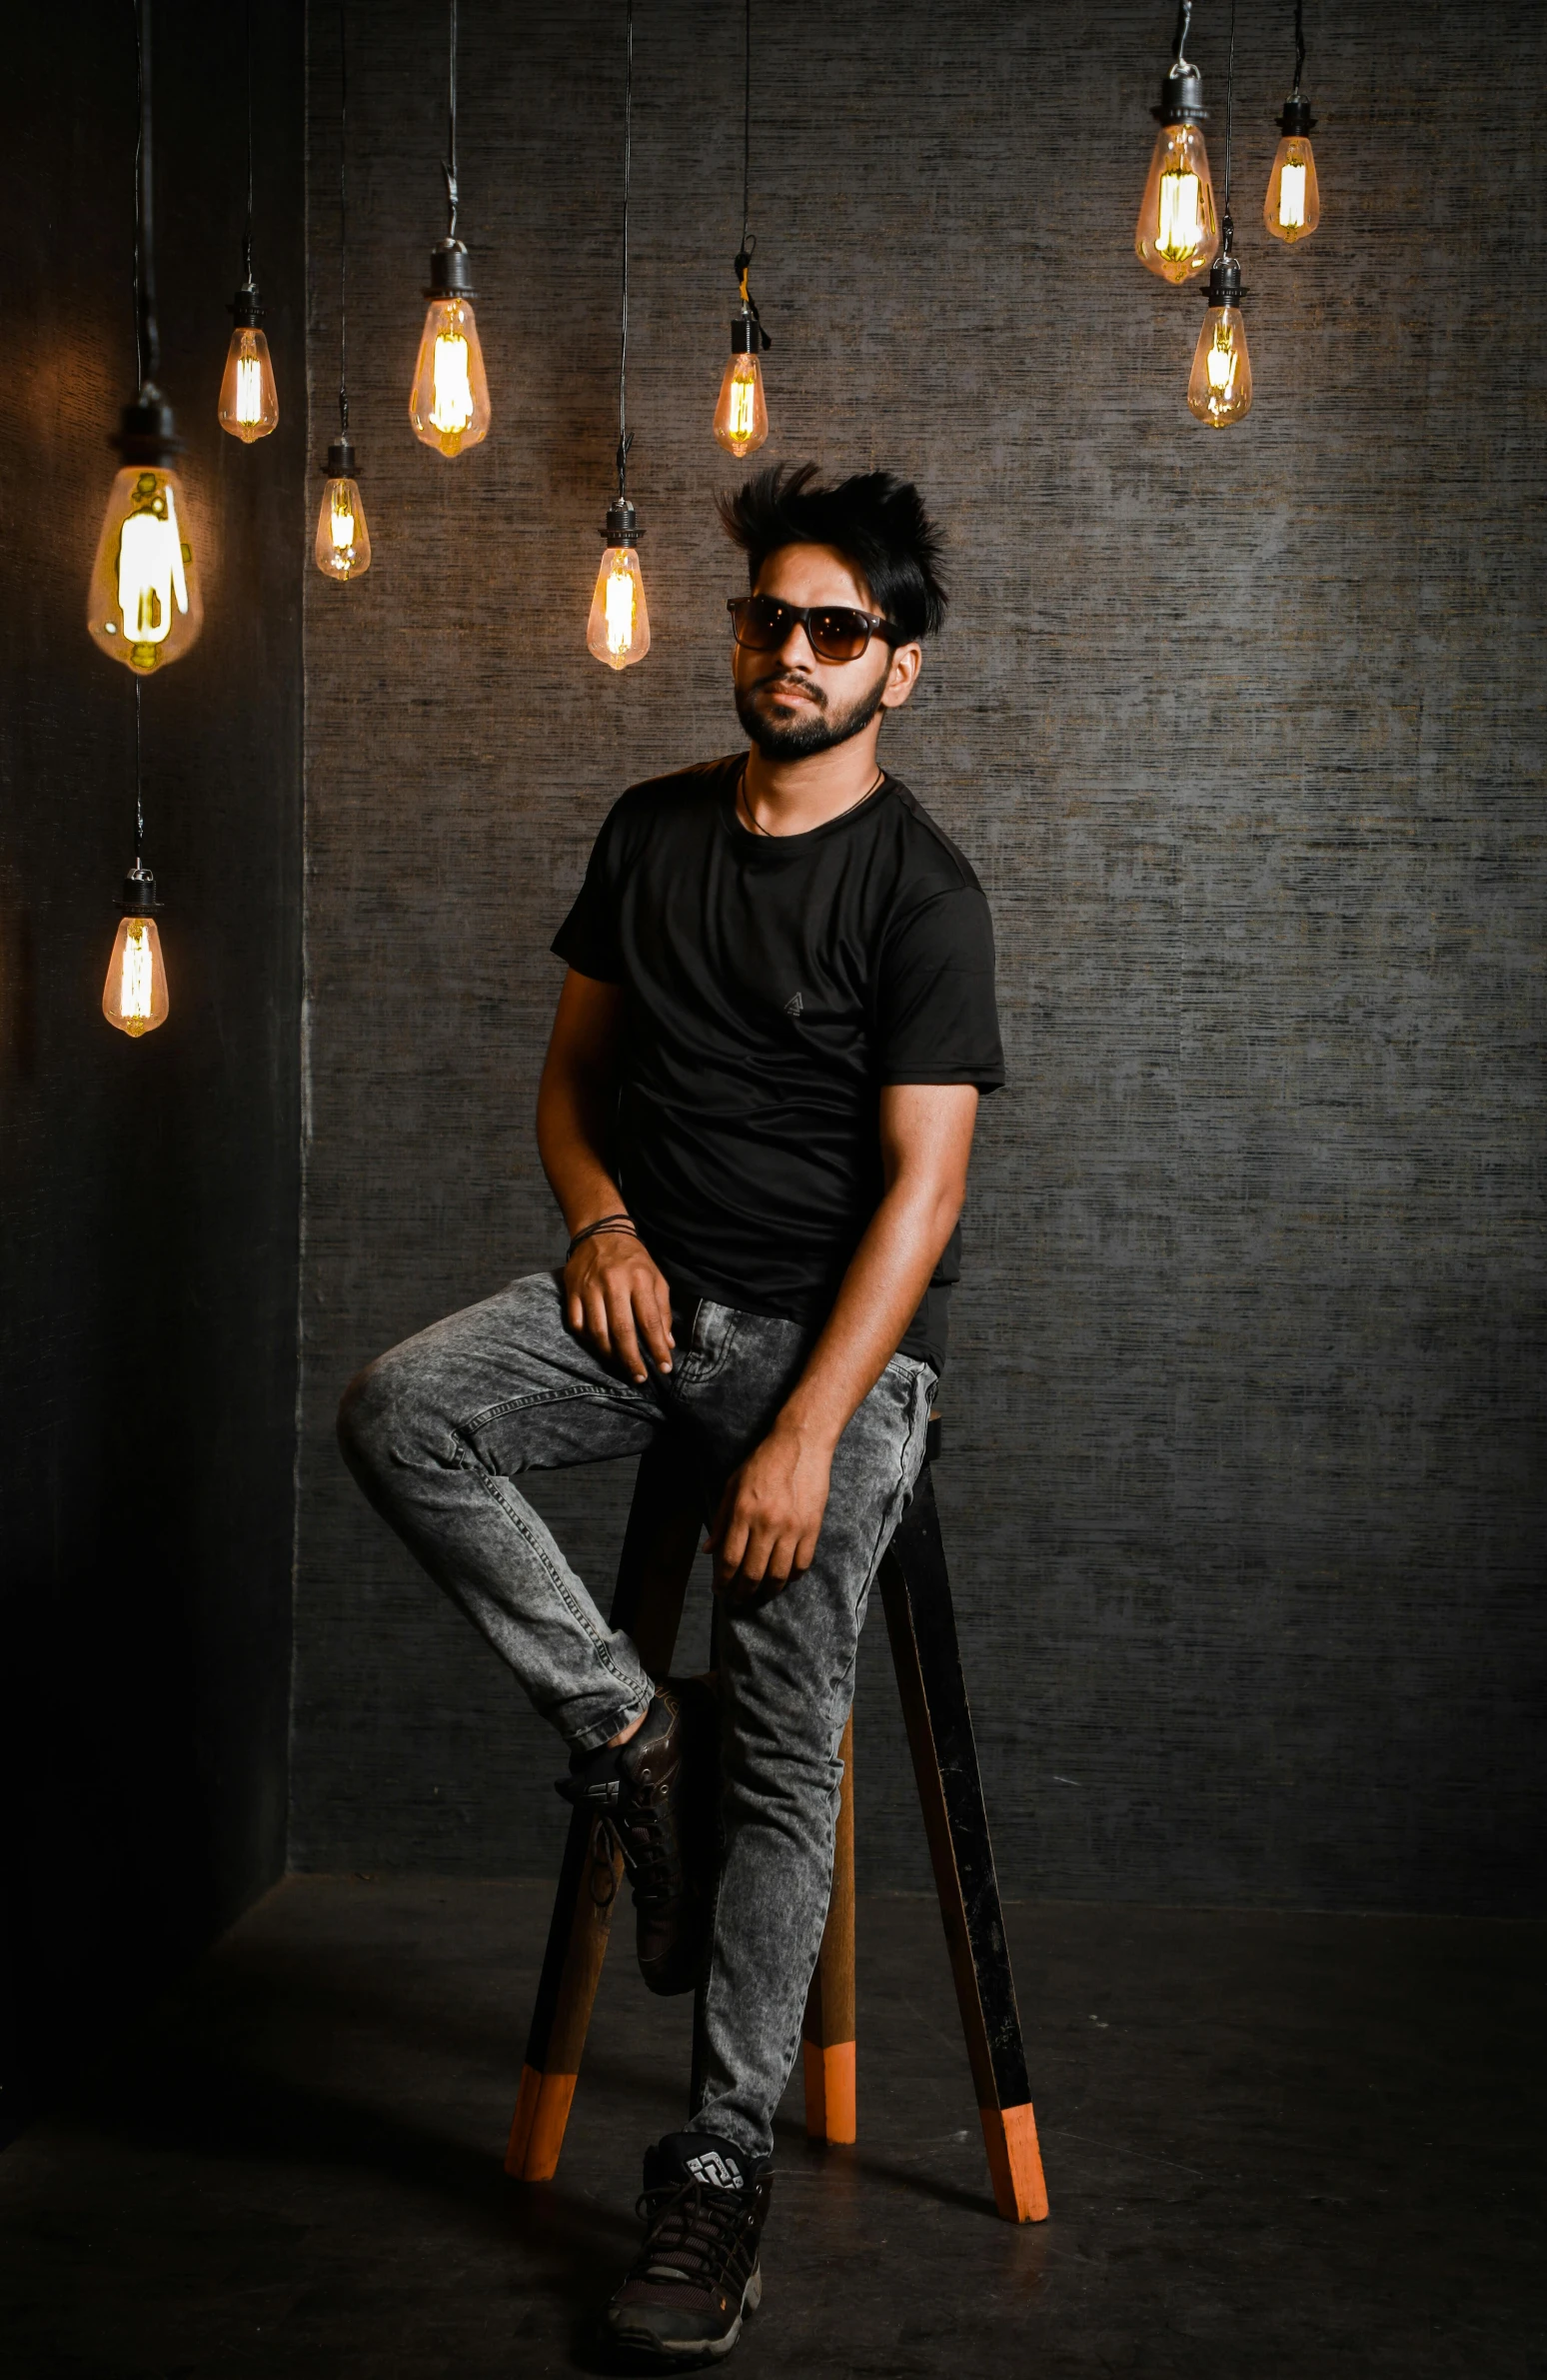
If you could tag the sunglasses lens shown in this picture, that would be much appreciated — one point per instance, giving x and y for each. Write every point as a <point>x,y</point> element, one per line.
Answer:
<point>761,623</point>
<point>838,634</point>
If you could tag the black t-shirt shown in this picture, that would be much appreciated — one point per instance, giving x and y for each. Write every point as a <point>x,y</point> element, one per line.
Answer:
<point>773,985</point>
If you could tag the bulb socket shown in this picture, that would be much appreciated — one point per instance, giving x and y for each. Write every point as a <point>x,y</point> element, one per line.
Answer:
<point>1296,120</point>
<point>341,463</point>
<point>147,432</point>
<point>1224,282</point>
<point>747,335</point>
<point>623,524</point>
<point>451,271</point>
<point>1181,96</point>
<point>245,311</point>
<point>137,898</point>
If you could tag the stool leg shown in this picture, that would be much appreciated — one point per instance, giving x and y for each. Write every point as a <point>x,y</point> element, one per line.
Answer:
<point>658,1556</point>
<point>828,2034</point>
<point>916,1592</point>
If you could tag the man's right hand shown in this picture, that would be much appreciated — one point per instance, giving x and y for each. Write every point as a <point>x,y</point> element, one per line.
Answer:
<point>615,1297</point>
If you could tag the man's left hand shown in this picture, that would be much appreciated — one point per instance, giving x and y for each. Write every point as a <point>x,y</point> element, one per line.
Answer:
<point>769,1517</point>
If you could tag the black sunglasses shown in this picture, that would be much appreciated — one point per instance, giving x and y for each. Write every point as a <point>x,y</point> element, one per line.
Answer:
<point>835,632</point>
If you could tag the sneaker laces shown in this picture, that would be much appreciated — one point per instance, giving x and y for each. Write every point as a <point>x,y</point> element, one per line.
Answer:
<point>646,1854</point>
<point>696,2232</point>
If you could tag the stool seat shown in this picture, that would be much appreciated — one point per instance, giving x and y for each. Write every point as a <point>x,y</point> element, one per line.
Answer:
<point>659,1546</point>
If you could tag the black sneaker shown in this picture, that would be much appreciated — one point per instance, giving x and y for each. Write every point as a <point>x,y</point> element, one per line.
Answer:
<point>658,1798</point>
<point>697,2276</point>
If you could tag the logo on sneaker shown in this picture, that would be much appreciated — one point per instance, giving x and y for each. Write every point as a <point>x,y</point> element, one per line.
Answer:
<point>793,1008</point>
<point>722,2173</point>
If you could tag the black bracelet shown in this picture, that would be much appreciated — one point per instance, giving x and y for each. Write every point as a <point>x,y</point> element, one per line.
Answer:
<point>607,1223</point>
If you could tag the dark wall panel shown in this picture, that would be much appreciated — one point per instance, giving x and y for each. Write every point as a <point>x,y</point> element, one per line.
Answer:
<point>148,1191</point>
<point>1245,734</point>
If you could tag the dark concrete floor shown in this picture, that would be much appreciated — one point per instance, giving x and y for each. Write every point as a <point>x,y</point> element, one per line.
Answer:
<point>1275,2145</point>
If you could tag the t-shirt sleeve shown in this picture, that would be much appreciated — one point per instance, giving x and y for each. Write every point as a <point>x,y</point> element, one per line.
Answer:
<point>588,940</point>
<point>936,1016</point>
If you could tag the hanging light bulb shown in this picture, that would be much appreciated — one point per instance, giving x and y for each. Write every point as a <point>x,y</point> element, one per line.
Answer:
<point>134,995</point>
<point>448,402</point>
<point>1219,390</point>
<point>342,546</point>
<point>617,631</point>
<point>143,604</point>
<point>1292,208</point>
<point>1219,386</point>
<point>741,414</point>
<point>143,607</point>
<point>342,549</point>
<point>1177,232</point>
<point>134,991</point>
<point>249,401</point>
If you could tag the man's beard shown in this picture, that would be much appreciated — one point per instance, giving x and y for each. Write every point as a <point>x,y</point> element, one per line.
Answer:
<point>819,730</point>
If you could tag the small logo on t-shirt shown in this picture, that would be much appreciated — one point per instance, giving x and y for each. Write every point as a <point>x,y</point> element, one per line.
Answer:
<point>792,1008</point>
<point>719,2173</point>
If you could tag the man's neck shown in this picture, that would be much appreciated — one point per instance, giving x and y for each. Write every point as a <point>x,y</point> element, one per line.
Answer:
<point>794,797</point>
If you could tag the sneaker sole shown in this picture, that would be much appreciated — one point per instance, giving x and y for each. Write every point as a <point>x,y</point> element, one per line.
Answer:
<point>641,2342</point>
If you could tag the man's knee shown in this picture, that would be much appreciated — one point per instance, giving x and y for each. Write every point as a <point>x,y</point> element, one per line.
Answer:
<point>381,1415</point>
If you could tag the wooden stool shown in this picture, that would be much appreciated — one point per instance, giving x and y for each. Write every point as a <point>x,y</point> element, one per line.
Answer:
<point>660,1547</point>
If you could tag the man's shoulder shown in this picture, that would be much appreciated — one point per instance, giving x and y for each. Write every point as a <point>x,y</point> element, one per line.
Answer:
<point>929,860</point>
<point>682,790</point>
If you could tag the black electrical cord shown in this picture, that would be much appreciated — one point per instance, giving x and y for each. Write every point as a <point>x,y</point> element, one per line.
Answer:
<point>343,221</point>
<point>147,337</point>
<point>623,439</point>
<point>139,786</point>
<point>748,244</point>
<point>448,169</point>
<point>247,236</point>
<point>746,138</point>
<point>1300,46</point>
<point>1229,225</point>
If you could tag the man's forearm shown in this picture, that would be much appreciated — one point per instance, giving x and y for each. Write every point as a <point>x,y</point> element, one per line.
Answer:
<point>880,1296</point>
<point>579,1179</point>
<point>570,1142</point>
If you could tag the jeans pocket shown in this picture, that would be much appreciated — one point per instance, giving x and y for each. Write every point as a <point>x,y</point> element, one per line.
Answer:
<point>710,1339</point>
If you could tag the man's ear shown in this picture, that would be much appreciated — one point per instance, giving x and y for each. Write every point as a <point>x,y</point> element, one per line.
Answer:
<point>903,677</point>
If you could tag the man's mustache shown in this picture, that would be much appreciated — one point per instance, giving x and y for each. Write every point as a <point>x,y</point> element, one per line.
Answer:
<point>793,683</point>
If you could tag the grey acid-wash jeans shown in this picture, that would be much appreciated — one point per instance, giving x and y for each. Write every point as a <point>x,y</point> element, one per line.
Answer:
<point>439,1431</point>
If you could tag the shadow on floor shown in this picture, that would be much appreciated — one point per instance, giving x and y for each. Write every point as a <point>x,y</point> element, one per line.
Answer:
<point>1275,2145</point>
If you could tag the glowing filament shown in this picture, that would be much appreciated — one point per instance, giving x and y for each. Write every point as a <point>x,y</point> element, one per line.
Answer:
<point>341,516</point>
<point>249,389</point>
<point>620,611</point>
<point>1181,224</point>
<point>1221,359</point>
<point>134,983</point>
<point>1292,198</point>
<point>743,405</point>
<point>451,408</point>
<point>150,568</point>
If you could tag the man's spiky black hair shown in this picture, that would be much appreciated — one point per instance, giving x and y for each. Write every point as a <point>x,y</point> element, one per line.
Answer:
<point>876,521</point>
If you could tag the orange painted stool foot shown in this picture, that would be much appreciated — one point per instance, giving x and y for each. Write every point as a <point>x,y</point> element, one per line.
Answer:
<point>537,2130</point>
<point>830,2092</point>
<point>1015,2163</point>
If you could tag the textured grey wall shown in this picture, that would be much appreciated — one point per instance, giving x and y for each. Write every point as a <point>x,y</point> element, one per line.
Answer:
<point>1245,734</point>
<point>148,1191</point>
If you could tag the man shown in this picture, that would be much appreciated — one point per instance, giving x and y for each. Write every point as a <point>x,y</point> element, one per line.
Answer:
<point>755,1113</point>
